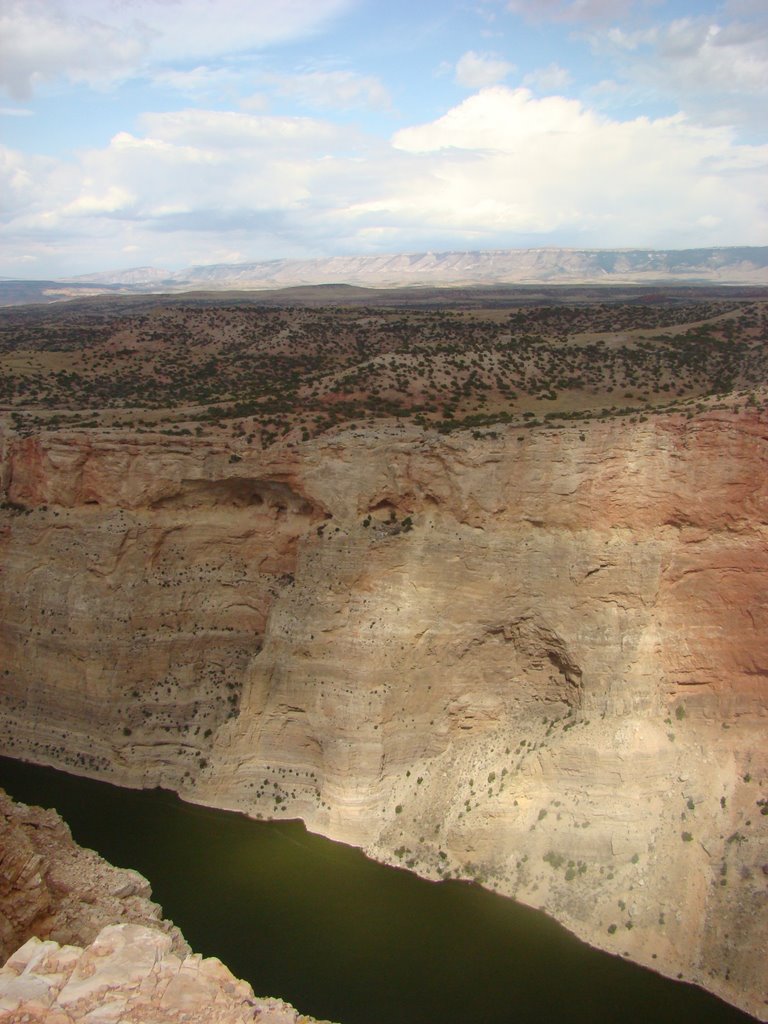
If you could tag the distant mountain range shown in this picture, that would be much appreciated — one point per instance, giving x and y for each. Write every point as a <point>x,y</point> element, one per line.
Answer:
<point>736,265</point>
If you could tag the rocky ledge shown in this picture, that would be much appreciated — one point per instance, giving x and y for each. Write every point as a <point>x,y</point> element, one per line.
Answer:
<point>128,973</point>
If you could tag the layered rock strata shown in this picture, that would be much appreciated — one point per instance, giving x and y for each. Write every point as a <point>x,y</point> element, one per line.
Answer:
<point>536,658</point>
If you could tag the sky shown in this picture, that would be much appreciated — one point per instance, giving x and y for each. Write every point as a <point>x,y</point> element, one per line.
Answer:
<point>172,133</point>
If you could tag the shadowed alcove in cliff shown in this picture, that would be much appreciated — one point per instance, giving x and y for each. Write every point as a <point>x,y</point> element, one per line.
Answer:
<point>241,492</point>
<point>531,660</point>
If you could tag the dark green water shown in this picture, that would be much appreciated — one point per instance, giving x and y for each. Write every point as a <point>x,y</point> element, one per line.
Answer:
<point>346,939</point>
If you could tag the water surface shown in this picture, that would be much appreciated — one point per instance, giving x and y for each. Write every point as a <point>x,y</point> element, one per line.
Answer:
<point>347,939</point>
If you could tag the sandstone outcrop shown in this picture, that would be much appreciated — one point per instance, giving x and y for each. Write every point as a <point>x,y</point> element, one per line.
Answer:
<point>128,973</point>
<point>536,658</point>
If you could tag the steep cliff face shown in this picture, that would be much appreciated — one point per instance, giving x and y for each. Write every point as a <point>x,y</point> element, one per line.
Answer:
<point>535,658</point>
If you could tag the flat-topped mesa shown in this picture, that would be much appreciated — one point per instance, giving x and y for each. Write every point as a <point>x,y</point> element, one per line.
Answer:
<point>536,658</point>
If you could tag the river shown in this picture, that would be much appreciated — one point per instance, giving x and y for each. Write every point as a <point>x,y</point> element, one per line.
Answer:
<point>346,939</point>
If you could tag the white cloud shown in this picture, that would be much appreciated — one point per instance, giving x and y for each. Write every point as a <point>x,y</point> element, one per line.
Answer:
<point>110,199</point>
<point>550,79</point>
<point>201,28</point>
<point>713,58</point>
<point>477,70</point>
<point>695,55</point>
<point>97,43</point>
<point>716,72</point>
<point>498,118</point>
<point>317,89</point>
<point>340,90</point>
<point>503,161</point>
<point>20,180</point>
<point>255,102</point>
<point>205,164</point>
<point>501,167</point>
<point>213,171</point>
<point>197,81</point>
<point>571,10</point>
<point>40,41</point>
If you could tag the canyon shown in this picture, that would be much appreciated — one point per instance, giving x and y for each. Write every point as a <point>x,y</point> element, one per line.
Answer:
<point>531,657</point>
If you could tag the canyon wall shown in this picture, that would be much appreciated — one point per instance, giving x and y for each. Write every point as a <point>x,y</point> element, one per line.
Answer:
<point>535,658</point>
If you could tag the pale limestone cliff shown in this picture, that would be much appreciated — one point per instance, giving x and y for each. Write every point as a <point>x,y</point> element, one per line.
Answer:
<point>555,681</point>
<point>92,945</point>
